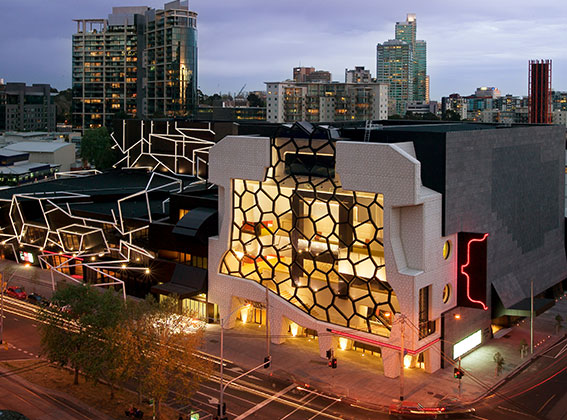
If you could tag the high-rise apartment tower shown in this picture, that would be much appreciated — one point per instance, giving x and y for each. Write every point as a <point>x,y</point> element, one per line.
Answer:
<point>138,62</point>
<point>402,63</point>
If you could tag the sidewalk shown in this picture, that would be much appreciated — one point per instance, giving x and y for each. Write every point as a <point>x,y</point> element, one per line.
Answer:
<point>360,376</point>
<point>36,402</point>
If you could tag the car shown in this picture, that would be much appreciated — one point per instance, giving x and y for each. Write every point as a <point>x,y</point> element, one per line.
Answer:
<point>16,292</point>
<point>36,299</point>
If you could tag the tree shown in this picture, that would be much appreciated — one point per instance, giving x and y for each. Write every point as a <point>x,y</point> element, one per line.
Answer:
<point>96,148</point>
<point>451,115</point>
<point>255,101</point>
<point>158,350</point>
<point>558,321</point>
<point>499,360</point>
<point>63,105</point>
<point>75,331</point>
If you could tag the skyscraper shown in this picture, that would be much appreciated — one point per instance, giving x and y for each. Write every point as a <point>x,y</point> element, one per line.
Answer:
<point>139,62</point>
<point>540,111</point>
<point>402,63</point>
<point>395,68</point>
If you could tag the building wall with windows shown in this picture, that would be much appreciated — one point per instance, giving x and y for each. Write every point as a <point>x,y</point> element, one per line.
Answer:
<point>138,62</point>
<point>342,249</point>
<point>26,108</point>
<point>326,102</point>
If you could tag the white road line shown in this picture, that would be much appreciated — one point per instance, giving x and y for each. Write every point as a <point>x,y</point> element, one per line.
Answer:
<point>547,402</point>
<point>324,409</point>
<point>477,417</point>
<point>301,406</point>
<point>514,411</point>
<point>265,402</point>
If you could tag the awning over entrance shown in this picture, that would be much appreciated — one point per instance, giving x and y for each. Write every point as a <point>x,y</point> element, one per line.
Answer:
<point>522,308</point>
<point>185,282</point>
<point>195,223</point>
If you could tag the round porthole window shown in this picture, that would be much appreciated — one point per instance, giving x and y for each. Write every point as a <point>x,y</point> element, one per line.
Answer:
<point>446,293</point>
<point>446,249</point>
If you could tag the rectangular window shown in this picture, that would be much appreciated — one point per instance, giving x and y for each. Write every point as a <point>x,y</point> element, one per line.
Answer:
<point>307,164</point>
<point>426,327</point>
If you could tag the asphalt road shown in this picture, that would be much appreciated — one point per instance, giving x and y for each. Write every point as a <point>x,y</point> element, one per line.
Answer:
<point>258,396</point>
<point>538,392</point>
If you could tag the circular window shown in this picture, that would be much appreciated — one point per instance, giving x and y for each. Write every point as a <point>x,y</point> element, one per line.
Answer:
<point>446,249</point>
<point>446,293</point>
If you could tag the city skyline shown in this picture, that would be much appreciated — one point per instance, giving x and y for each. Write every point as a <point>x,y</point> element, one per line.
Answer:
<point>484,44</point>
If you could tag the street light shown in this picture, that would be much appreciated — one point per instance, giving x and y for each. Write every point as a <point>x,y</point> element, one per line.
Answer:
<point>3,287</point>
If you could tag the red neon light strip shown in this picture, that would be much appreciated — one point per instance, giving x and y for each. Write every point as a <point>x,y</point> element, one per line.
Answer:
<point>466,274</point>
<point>381,344</point>
<point>63,255</point>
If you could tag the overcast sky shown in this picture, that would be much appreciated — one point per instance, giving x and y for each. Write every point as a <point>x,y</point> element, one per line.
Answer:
<point>469,43</point>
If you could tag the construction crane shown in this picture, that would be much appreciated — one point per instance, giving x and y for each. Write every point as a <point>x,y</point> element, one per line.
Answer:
<point>238,94</point>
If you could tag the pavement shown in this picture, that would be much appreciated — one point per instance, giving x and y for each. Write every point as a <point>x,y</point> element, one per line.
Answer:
<point>360,376</point>
<point>36,402</point>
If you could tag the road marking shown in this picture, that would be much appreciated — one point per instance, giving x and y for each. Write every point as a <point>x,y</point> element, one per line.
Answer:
<point>324,409</point>
<point>477,417</point>
<point>301,406</point>
<point>547,402</point>
<point>514,411</point>
<point>265,402</point>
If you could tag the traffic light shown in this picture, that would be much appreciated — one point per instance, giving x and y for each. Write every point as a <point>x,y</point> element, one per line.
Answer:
<point>458,373</point>
<point>221,412</point>
<point>267,360</point>
<point>333,362</point>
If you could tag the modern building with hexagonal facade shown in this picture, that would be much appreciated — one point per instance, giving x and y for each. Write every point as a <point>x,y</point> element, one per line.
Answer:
<point>419,238</point>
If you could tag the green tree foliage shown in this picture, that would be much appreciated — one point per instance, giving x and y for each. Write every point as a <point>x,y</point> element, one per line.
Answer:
<point>63,105</point>
<point>255,101</point>
<point>451,115</point>
<point>96,148</point>
<point>157,350</point>
<point>75,332</point>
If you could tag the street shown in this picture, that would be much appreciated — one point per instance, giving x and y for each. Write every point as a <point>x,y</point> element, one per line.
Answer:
<point>538,392</point>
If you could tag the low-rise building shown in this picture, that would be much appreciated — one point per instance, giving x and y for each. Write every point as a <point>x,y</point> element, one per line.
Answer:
<point>326,102</point>
<point>57,153</point>
<point>27,108</point>
<point>423,237</point>
<point>358,75</point>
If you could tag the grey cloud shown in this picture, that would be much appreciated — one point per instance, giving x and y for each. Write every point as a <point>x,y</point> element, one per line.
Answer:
<point>251,41</point>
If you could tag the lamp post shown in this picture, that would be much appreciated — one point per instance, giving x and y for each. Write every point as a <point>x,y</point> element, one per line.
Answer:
<point>4,286</point>
<point>222,320</point>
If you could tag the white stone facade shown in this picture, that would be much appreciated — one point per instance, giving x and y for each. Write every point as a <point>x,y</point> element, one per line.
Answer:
<point>412,240</point>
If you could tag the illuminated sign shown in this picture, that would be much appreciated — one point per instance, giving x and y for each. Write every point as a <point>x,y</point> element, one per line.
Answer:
<point>467,344</point>
<point>26,257</point>
<point>471,277</point>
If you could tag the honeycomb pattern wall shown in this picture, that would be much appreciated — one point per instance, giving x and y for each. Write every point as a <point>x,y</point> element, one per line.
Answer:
<point>306,239</point>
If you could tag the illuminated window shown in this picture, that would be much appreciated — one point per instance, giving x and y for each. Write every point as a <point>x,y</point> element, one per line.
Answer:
<point>467,344</point>
<point>446,249</point>
<point>446,293</point>
<point>314,244</point>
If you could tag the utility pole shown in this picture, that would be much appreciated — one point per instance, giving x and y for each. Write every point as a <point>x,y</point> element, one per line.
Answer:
<point>460,377</point>
<point>402,351</point>
<point>2,307</point>
<point>267,319</point>
<point>532,317</point>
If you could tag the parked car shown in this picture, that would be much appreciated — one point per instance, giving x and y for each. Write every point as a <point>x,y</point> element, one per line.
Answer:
<point>16,292</point>
<point>37,299</point>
